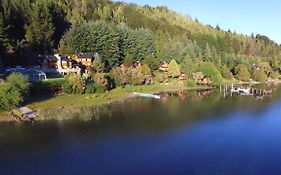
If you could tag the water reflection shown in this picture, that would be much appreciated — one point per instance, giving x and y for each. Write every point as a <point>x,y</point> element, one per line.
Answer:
<point>185,121</point>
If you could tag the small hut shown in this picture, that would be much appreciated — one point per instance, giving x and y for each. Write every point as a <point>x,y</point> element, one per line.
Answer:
<point>35,75</point>
<point>200,79</point>
<point>183,78</point>
<point>164,66</point>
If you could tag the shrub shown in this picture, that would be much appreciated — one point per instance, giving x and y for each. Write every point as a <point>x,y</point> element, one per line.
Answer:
<point>67,88</point>
<point>101,79</point>
<point>148,80</point>
<point>266,67</point>
<point>19,82</point>
<point>274,75</point>
<point>124,76</point>
<point>160,77</point>
<point>9,97</point>
<point>151,61</point>
<point>259,75</point>
<point>174,69</point>
<point>120,75</point>
<point>99,88</point>
<point>13,91</point>
<point>136,77</point>
<point>190,83</point>
<point>90,88</point>
<point>242,73</point>
<point>76,82</point>
<point>98,65</point>
<point>145,69</point>
<point>49,86</point>
<point>226,73</point>
<point>210,70</point>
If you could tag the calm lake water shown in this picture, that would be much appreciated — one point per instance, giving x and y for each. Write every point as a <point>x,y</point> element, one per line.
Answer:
<point>196,133</point>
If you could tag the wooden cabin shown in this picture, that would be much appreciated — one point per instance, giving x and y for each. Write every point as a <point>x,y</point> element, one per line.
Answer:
<point>183,78</point>
<point>49,61</point>
<point>65,63</point>
<point>55,61</point>
<point>200,79</point>
<point>84,59</point>
<point>205,81</point>
<point>138,65</point>
<point>164,66</point>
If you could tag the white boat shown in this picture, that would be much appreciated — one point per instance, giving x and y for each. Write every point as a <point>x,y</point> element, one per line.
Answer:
<point>241,90</point>
<point>147,95</point>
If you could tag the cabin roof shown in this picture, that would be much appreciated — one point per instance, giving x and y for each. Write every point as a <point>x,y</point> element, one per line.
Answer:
<point>51,57</point>
<point>84,56</point>
<point>54,58</point>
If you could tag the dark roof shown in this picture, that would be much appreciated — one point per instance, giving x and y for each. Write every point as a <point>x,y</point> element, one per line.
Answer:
<point>84,56</point>
<point>65,59</point>
<point>51,57</point>
<point>54,58</point>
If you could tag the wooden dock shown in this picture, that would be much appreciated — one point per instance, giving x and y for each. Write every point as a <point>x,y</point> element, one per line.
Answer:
<point>250,91</point>
<point>25,114</point>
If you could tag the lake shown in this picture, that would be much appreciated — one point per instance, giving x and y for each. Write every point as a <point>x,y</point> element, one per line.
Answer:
<point>196,133</point>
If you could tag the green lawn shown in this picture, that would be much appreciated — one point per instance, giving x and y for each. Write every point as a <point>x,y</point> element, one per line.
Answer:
<point>49,105</point>
<point>98,99</point>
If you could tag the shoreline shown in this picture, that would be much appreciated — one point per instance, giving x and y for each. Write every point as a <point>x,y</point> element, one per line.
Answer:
<point>91,100</point>
<point>66,102</point>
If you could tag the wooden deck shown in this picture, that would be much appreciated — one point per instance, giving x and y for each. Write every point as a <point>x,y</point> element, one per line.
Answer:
<point>26,114</point>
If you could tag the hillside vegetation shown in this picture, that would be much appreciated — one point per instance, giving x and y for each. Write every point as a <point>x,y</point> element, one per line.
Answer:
<point>117,30</point>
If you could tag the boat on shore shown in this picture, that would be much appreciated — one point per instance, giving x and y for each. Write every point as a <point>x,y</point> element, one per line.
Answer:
<point>146,95</point>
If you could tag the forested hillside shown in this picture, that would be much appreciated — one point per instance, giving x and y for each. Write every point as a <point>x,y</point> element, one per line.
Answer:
<point>120,30</point>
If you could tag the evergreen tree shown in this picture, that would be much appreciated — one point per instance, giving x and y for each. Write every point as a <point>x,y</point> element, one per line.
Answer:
<point>151,61</point>
<point>242,73</point>
<point>98,65</point>
<point>207,53</point>
<point>63,50</point>
<point>40,30</point>
<point>174,69</point>
<point>226,73</point>
<point>259,75</point>
<point>128,61</point>
<point>2,32</point>
<point>210,70</point>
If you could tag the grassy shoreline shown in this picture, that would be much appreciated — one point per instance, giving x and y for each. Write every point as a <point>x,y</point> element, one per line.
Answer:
<point>69,102</point>
<point>94,100</point>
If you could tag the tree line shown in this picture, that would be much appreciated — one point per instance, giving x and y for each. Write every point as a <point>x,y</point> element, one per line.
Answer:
<point>120,31</point>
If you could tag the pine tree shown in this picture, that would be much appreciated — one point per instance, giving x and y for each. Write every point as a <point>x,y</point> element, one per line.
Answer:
<point>128,61</point>
<point>98,65</point>
<point>2,33</point>
<point>207,53</point>
<point>242,73</point>
<point>151,61</point>
<point>63,50</point>
<point>174,69</point>
<point>40,30</point>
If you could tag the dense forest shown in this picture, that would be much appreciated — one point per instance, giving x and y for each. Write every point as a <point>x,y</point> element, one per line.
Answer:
<point>120,31</point>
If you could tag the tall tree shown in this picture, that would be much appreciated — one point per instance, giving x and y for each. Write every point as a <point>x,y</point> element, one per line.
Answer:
<point>208,53</point>
<point>40,30</point>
